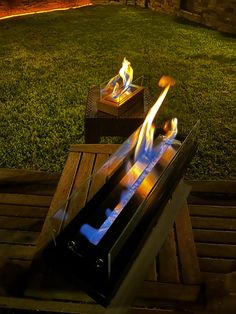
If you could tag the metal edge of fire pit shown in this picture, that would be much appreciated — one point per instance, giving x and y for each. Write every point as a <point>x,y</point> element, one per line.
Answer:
<point>92,112</point>
<point>129,286</point>
<point>162,220</point>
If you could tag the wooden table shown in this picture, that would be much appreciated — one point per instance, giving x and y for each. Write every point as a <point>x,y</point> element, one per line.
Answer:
<point>98,124</point>
<point>171,283</point>
<point>178,276</point>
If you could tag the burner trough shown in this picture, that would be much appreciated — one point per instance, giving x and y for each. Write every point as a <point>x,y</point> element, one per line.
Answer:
<point>118,258</point>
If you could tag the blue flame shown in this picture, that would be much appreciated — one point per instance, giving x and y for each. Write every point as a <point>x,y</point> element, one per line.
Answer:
<point>94,235</point>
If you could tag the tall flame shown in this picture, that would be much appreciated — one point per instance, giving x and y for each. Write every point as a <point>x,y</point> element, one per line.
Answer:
<point>146,135</point>
<point>114,88</point>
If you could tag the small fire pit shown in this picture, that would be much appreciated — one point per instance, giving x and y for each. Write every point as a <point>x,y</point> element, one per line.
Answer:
<point>119,94</point>
<point>100,243</point>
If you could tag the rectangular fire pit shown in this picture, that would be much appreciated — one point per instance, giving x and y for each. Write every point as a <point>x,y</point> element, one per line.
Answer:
<point>125,102</point>
<point>101,265</point>
<point>119,94</point>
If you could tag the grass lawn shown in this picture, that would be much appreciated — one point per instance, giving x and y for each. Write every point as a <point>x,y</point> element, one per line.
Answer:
<point>49,61</point>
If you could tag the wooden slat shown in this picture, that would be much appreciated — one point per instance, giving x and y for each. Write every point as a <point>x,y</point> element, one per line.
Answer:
<point>18,223</point>
<point>18,237</point>
<point>49,306</point>
<point>167,309</point>
<point>137,310</point>
<point>66,182</point>
<point>16,251</point>
<point>216,250</point>
<point>20,181</point>
<point>214,236</point>
<point>188,262</point>
<point>213,211</point>
<point>29,188</point>
<point>152,272</point>
<point>213,223</point>
<point>198,198</point>
<point>64,292</point>
<point>23,264</point>
<point>23,211</point>
<point>21,176</point>
<point>223,304</point>
<point>95,148</point>
<point>99,179</point>
<point>168,263</point>
<point>210,275</point>
<point>77,308</point>
<point>222,186</point>
<point>217,265</point>
<point>62,193</point>
<point>168,291</point>
<point>31,200</point>
<point>82,185</point>
<point>55,287</point>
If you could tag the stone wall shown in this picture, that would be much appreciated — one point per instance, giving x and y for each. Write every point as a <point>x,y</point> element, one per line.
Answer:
<point>168,6</point>
<point>142,3</point>
<point>220,15</point>
<point>217,14</point>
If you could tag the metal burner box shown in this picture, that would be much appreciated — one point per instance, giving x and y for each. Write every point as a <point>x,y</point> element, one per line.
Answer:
<point>134,97</point>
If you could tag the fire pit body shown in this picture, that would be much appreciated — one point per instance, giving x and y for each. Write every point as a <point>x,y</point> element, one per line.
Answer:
<point>99,245</point>
<point>134,97</point>
<point>119,94</point>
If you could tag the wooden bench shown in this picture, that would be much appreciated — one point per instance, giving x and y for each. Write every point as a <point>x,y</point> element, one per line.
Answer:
<point>174,278</point>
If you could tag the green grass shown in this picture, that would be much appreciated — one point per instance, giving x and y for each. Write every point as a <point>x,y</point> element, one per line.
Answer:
<point>49,61</point>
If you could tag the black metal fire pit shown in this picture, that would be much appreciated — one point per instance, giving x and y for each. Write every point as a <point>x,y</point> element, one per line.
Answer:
<point>100,245</point>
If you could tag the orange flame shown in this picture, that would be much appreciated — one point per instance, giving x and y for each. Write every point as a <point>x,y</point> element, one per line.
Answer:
<point>146,135</point>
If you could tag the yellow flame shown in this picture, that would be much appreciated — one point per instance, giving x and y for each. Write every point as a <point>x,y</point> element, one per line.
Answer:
<point>146,134</point>
<point>173,128</point>
<point>126,73</point>
<point>114,88</point>
<point>147,130</point>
